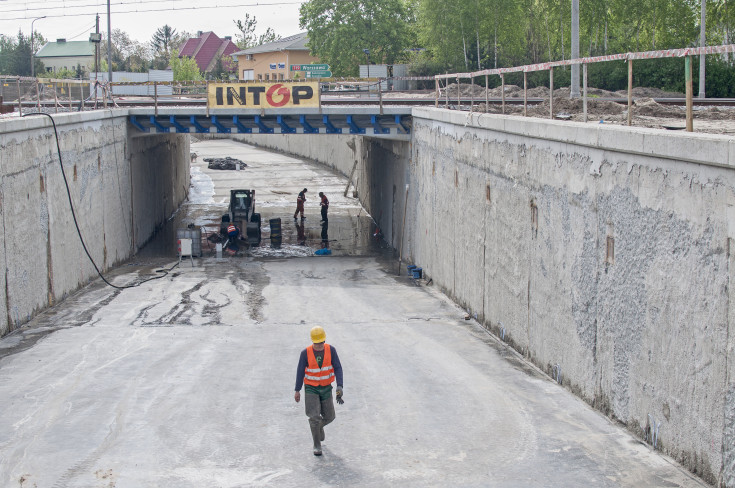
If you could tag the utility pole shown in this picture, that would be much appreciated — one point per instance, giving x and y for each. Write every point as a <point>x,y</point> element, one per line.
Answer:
<point>96,49</point>
<point>574,93</point>
<point>702,43</point>
<point>109,44</point>
<point>33,54</point>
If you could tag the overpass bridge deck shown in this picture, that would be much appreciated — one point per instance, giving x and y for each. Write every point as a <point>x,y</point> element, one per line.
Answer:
<point>385,122</point>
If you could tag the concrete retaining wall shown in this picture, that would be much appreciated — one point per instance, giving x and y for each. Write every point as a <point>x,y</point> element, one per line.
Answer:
<point>122,191</point>
<point>599,251</point>
<point>339,152</point>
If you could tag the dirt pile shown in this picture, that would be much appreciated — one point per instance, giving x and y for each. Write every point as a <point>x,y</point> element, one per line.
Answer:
<point>602,105</point>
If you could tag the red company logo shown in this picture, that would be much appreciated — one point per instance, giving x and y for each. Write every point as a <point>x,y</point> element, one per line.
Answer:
<point>281,90</point>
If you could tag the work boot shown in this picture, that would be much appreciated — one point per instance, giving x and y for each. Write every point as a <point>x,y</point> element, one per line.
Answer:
<point>316,434</point>
<point>321,433</point>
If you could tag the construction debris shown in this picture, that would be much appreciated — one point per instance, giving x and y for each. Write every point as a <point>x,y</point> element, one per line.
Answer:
<point>224,163</point>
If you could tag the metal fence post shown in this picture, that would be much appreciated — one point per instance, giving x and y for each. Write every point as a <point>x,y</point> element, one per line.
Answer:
<point>472,95</point>
<point>584,90</point>
<point>502,94</point>
<point>630,92</point>
<point>689,92</point>
<point>20,107</point>
<point>380,96</point>
<point>206,94</point>
<point>56,98</point>
<point>551,93</point>
<point>459,98</point>
<point>525,93</point>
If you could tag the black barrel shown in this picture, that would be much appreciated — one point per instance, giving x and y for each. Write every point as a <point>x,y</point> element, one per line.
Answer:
<point>275,232</point>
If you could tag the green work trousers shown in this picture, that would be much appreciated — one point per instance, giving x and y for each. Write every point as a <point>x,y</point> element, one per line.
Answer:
<point>320,413</point>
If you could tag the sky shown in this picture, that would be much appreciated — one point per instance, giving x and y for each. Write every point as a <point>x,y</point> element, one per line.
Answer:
<point>75,19</point>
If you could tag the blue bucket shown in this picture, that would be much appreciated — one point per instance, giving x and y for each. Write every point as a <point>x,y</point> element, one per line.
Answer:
<point>410,268</point>
<point>417,272</point>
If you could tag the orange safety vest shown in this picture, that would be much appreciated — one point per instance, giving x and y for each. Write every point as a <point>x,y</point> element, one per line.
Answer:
<point>231,228</point>
<point>316,376</point>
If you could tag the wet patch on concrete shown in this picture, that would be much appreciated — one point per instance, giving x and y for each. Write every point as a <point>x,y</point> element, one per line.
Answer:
<point>80,313</point>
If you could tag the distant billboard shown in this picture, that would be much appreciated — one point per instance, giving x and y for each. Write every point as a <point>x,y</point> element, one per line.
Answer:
<point>263,95</point>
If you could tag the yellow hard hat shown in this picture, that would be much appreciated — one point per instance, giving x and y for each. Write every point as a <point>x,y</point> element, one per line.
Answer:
<point>318,335</point>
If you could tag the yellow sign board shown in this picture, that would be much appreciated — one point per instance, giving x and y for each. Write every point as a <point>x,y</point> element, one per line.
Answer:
<point>263,95</point>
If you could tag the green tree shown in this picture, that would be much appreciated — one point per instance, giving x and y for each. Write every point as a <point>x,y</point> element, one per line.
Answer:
<point>127,54</point>
<point>247,38</point>
<point>224,69</point>
<point>15,54</point>
<point>339,32</point>
<point>163,40</point>
<point>184,68</point>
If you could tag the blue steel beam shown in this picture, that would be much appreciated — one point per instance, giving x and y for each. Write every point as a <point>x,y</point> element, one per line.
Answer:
<point>138,125</point>
<point>308,129</point>
<point>199,127</point>
<point>285,128</point>
<point>179,128</point>
<point>220,128</point>
<point>331,129</point>
<point>264,129</point>
<point>354,128</point>
<point>406,130</point>
<point>377,128</point>
<point>240,127</point>
<point>158,126</point>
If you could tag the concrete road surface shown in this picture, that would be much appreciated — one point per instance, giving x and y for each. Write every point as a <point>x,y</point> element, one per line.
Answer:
<point>188,380</point>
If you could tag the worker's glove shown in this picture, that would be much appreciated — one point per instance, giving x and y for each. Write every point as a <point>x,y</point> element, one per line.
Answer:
<point>339,396</point>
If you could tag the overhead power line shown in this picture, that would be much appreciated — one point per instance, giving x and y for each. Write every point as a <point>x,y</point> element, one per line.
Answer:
<point>67,6</point>
<point>173,9</point>
<point>87,29</point>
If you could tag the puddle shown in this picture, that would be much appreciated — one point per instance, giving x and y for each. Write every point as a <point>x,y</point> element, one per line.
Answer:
<point>343,235</point>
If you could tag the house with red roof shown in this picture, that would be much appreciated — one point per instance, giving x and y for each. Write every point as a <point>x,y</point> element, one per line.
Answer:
<point>207,48</point>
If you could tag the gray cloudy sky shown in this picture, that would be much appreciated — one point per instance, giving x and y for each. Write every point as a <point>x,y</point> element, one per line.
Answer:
<point>74,19</point>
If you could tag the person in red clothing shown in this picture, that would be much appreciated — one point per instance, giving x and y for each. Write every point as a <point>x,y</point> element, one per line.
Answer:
<point>325,206</point>
<point>300,204</point>
<point>318,368</point>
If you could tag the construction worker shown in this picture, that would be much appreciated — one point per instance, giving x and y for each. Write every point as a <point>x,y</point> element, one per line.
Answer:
<point>300,204</point>
<point>233,232</point>
<point>318,367</point>
<point>325,206</point>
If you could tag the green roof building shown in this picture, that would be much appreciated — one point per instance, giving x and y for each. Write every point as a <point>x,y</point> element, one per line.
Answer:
<point>67,55</point>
